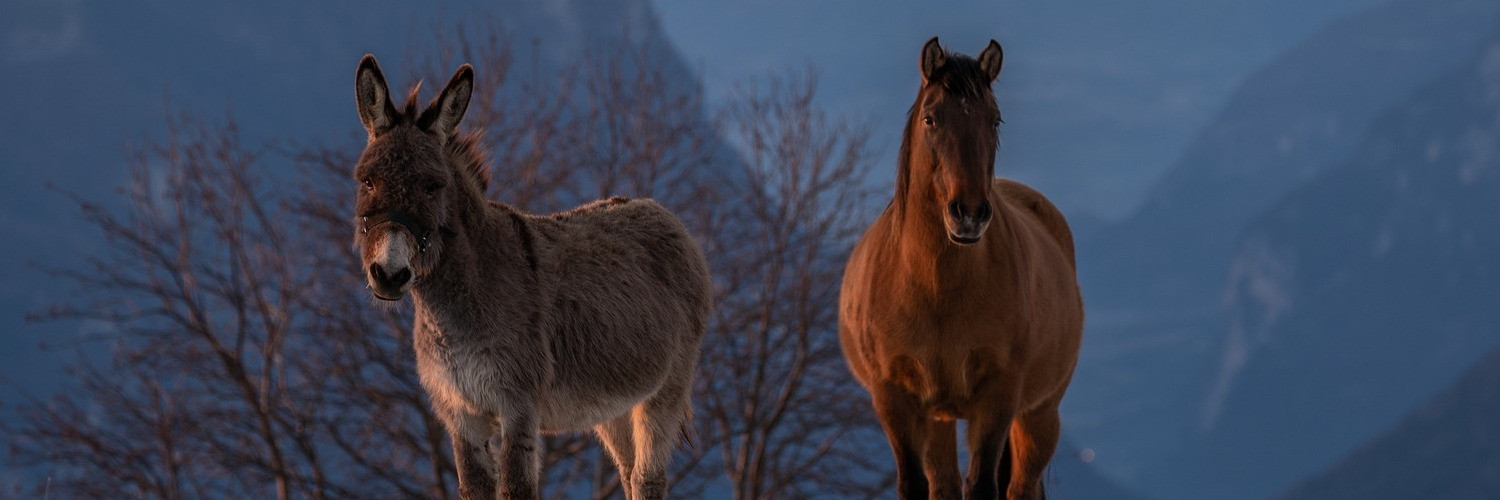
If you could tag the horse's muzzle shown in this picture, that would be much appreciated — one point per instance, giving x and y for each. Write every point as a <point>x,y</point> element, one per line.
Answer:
<point>966,225</point>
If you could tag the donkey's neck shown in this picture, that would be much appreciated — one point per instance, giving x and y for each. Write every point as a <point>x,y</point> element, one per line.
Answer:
<point>483,251</point>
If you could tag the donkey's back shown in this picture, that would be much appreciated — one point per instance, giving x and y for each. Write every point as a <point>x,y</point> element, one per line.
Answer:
<point>630,296</point>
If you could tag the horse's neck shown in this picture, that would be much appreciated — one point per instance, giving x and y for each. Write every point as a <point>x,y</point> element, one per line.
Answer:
<point>924,251</point>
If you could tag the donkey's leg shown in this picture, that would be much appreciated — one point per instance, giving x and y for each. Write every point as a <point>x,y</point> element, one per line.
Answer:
<point>471,455</point>
<point>941,460</point>
<point>517,453</point>
<point>656,427</point>
<point>1033,440</point>
<point>901,415</point>
<point>615,435</point>
<point>476,476</point>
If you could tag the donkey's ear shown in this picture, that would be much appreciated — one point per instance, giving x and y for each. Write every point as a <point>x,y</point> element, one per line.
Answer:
<point>372,96</point>
<point>447,109</point>
<point>990,59</point>
<point>933,58</point>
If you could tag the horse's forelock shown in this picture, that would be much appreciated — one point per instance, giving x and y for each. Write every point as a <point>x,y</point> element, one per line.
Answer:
<point>961,76</point>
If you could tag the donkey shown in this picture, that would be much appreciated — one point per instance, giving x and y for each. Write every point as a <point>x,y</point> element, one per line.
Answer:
<point>525,324</point>
<point>961,300</point>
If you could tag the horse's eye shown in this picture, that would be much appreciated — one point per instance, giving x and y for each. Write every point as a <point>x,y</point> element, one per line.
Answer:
<point>369,186</point>
<point>927,120</point>
<point>996,124</point>
<point>433,188</point>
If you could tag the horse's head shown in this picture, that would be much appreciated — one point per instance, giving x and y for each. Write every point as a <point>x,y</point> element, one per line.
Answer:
<point>406,181</point>
<point>954,132</point>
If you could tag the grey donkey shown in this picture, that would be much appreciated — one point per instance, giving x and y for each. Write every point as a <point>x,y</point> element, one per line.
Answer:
<point>590,318</point>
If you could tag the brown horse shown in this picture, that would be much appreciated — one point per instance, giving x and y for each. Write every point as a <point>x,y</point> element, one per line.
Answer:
<point>961,301</point>
<point>526,324</point>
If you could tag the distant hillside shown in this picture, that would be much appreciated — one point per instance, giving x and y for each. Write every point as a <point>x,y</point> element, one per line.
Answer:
<point>1449,449</point>
<point>1289,121</point>
<point>1363,293</point>
<point>1156,282</point>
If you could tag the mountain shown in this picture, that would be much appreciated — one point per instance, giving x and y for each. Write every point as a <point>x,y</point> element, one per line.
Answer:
<point>1156,282</point>
<point>1361,294</point>
<point>1449,449</point>
<point>1289,121</point>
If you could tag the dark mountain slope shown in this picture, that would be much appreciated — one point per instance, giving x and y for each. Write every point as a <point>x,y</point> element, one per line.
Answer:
<point>1363,293</point>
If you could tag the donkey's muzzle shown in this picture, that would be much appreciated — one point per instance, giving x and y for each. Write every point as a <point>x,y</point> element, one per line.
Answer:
<point>967,223</point>
<point>386,285</point>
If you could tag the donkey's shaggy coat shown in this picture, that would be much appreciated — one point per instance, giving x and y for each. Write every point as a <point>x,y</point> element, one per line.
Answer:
<point>590,318</point>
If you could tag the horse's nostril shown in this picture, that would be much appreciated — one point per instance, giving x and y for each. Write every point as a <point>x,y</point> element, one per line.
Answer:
<point>377,273</point>
<point>983,213</point>
<point>956,210</point>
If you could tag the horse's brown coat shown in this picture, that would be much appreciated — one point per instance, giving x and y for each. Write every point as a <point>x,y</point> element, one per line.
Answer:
<point>938,327</point>
<point>588,318</point>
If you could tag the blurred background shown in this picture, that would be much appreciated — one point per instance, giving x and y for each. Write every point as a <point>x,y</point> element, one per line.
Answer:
<point>1286,216</point>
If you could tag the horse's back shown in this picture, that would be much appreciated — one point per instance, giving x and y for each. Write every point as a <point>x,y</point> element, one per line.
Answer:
<point>1038,206</point>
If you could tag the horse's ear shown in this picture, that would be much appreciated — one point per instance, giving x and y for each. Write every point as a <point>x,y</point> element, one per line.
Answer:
<point>372,96</point>
<point>933,58</point>
<point>990,59</point>
<point>447,109</point>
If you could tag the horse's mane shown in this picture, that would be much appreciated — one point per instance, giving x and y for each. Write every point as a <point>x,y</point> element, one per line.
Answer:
<point>465,150</point>
<point>960,76</point>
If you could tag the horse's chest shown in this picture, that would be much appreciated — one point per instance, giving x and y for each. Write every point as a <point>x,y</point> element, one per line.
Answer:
<point>937,330</point>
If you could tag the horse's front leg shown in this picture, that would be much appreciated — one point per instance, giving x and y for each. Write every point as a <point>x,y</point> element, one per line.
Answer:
<point>901,415</point>
<point>989,432</point>
<point>516,449</point>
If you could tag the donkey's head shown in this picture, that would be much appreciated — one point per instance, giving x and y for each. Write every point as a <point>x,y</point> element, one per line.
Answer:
<point>406,180</point>
<point>953,134</point>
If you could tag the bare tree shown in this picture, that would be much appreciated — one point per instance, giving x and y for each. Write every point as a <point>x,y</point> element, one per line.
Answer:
<point>200,289</point>
<point>775,394</point>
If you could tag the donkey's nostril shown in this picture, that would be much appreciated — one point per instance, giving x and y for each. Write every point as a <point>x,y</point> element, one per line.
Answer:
<point>956,210</point>
<point>401,277</point>
<point>384,279</point>
<point>983,213</point>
